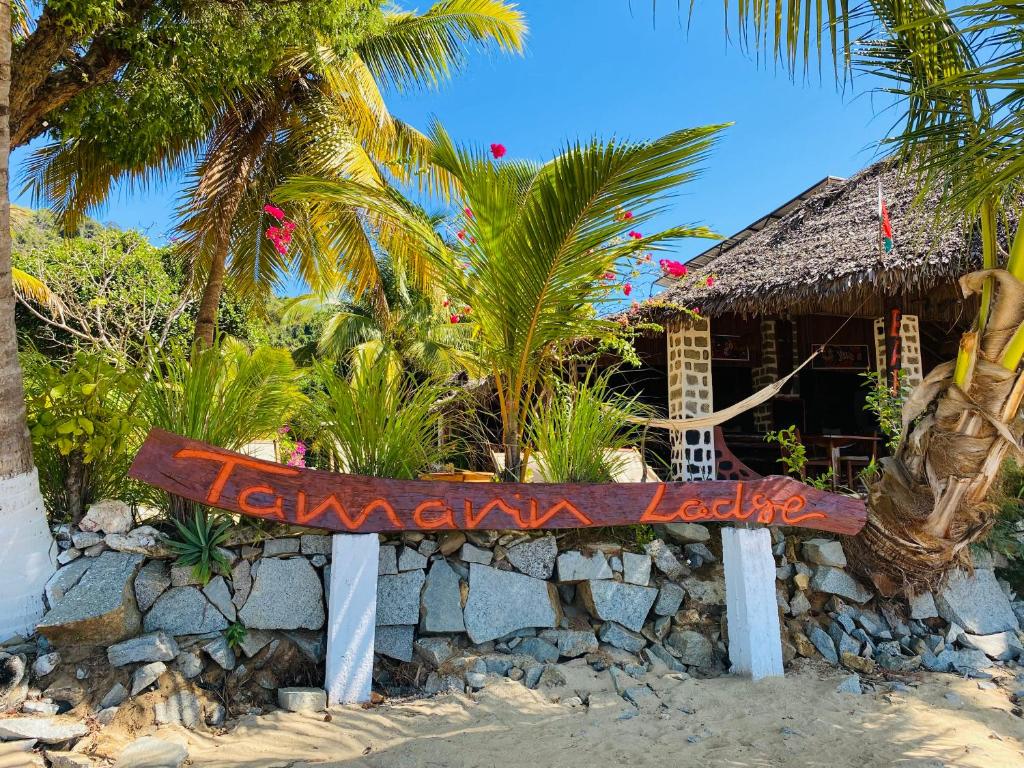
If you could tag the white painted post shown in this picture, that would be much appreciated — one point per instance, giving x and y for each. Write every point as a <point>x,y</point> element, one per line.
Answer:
<point>351,617</point>
<point>752,611</point>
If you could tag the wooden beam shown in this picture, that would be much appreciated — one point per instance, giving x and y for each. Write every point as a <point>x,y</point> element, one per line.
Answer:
<point>357,504</point>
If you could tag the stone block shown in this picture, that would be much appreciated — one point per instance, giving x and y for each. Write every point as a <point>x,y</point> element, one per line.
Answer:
<point>501,602</point>
<point>535,557</point>
<point>287,594</point>
<point>302,699</point>
<point>626,604</point>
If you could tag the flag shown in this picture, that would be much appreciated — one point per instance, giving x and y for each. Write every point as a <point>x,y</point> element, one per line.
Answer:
<point>883,218</point>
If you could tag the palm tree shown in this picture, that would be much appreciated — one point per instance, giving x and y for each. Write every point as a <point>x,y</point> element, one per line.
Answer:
<point>320,112</point>
<point>955,74</point>
<point>404,327</point>
<point>537,241</point>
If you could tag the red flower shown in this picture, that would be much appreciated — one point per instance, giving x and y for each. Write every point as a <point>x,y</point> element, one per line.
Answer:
<point>274,211</point>
<point>710,281</point>
<point>498,150</point>
<point>696,310</point>
<point>636,235</point>
<point>462,234</point>
<point>472,240</point>
<point>454,319</point>
<point>468,212</point>
<point>445,303</point>
<point>609,275</point>
<point>672,268</point>
<point>627,215</point>
<point>627,289</point>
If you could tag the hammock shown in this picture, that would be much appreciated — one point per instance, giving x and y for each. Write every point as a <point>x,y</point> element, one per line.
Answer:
<point>720,417</point>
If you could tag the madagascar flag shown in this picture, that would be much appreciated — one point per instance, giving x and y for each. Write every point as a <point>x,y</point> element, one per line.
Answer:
<point>883,218</point>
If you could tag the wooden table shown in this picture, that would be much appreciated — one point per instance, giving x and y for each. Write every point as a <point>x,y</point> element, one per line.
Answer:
<point>834,444</point>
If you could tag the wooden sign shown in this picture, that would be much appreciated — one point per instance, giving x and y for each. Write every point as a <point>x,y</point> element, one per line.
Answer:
<point>841,357</point>
<point>357,504</point>
<point>893,348</point>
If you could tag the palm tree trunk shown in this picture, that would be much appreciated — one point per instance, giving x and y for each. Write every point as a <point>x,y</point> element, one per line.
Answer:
<point>930,501</point>
<point>206,318</point>
<point>28,556</point>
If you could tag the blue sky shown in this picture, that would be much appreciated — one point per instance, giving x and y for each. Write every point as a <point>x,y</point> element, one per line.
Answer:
<point>614,68</point>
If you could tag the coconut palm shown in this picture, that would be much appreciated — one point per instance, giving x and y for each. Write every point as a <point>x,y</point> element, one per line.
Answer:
<point>409,328</point>
<point>536,241</point>
<point>956,75</point>
<point>320,112</point>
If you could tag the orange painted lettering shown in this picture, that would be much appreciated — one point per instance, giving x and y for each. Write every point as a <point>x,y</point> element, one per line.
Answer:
<point>229,464</point>
<point>272,511</point>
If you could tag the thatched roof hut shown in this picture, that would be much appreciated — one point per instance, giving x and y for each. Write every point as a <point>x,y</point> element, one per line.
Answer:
<point>820,252</point>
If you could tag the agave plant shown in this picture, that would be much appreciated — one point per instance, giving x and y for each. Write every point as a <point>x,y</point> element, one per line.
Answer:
<point>199,545</point>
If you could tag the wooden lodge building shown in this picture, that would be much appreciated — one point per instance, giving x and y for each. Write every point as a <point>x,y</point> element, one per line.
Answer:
<point>810,273</point>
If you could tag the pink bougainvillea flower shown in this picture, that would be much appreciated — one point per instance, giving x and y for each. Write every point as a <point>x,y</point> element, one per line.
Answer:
<point>627,215</point>
<point>627,289</point>
<point>636,235</point>
<point>472,240</point>
<point>468,212</point>
<point>710,281</point>
<point>696,310</point>
<point>446,302</point>
<point>461,234</point>
<point>609,275</point>
<point>498,150</point>
<point>274,211</point>
<point>300,448</point>
<point>672,268</point>
<point>283,430</point>
<point>289,226</point>
<point>454,319</point>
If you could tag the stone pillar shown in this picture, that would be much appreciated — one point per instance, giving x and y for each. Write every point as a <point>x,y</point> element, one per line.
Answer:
<point>351,617</point>
<point>751,608</point>
<point>690,395</point>
<point>910,337</point>
<point>765,374</point>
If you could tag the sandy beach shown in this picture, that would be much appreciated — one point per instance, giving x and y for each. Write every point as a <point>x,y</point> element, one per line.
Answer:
<point>796,721</point>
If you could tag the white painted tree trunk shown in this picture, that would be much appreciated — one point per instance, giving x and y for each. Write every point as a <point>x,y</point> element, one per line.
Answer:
<point>755,642</point>
<point>27,554</point>
<point>351,617</point>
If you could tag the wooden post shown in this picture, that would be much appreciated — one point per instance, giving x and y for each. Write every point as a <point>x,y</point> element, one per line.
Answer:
<point>351,617</point>
<point>893,346</point>
<point>755,642</point>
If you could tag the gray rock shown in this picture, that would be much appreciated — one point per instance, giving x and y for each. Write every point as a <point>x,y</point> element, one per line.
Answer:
<point>144,540</point>
<point>615,563</point>
<point>825,645</point>
<point>473,554</point>
<point>33,707</point>
<point>156,646</point>
<point>184,611</point>
<point>318,561</point>
<point>698,554</point>
<point>535,557</point>
<point>48,730</point>
<point>217,592</point>
<point>184,576</point>
<point>844,643</point>
<point>922,606</point>
<point>82,540</point>
<point>115,697</point>
<point>665,560</point>
<point>1000,645</point>
<point>411,560</point>
<point>655,653</point>
<point>427,547</point>
<point>180,708</point>
<point>45,664</point>
<point>833,581</point>
<point>65,578</point>
<point>475,680</point>
<point>850,684</point>
<point>100,608</point>
<point>222,653</point>
<point>503,601</point>
<point>13,682</point>
<point>692,648</point>
<point>146,675</point>
<point>636,569</point>
<point>571,642</point>
<point>149,752</point>
<point>109,516</point>
<point>575,566</point>
<point>387,561</point>
<point>824,552</point>
<point>394,641</point>
<point>670,597</point>
<point>287,594</point>
<point>434,650</point>
<point>799,604</point>
<point>68,555</point>
<point>685,533</point>
<point>315,544</point>
<point>216,715</point>
<point>539,649</point>
<point>278,547</point>
<point>442,600</point>
<point>189,664</point>
<point>626,604</point>
<point>312,644</point>
<point>68,760</point>
<point>398,598</point>
<point>302,699</point>
<point>708,592</point>
<point>532,676</point>
<point>976,603</point>
<point>241,582</point>
<point>254,641</point>
<point>152,581</point>
<point>617,635</point>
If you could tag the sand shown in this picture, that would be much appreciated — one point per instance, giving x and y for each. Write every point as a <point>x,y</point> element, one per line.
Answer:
<point>796,721</point>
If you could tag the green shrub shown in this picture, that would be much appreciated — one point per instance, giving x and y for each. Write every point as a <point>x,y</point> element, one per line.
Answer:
<point>83,415</point>
<point>380,423</point>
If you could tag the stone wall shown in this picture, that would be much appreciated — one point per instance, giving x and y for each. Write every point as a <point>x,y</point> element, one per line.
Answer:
<point>765,374</point>
<point>689,395</point>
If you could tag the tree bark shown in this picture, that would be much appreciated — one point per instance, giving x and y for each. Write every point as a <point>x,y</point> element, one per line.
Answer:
<point>15,444</point>
<point>931,499</point>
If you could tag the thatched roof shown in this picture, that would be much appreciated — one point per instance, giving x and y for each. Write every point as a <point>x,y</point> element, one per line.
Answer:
<point>820,253</point>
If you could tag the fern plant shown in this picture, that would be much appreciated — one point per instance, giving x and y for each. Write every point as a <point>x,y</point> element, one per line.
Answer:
<point>235,634</point>
<point>199,545</point>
